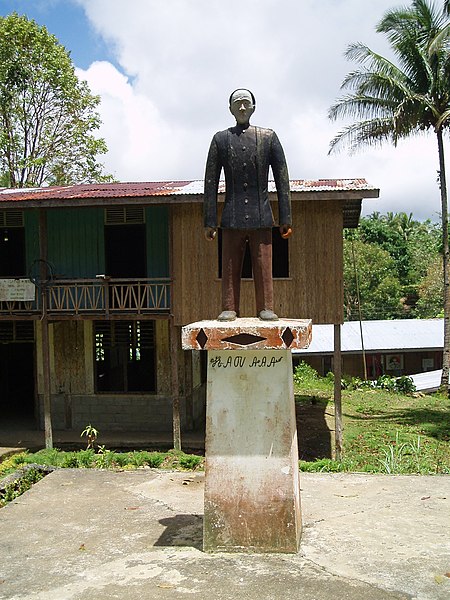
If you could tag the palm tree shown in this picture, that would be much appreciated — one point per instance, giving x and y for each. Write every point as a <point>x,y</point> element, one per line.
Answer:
<point>394,101</point>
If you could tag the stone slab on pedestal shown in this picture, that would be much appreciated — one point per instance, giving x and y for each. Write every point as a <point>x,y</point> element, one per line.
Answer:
<point>247,333</point>
<point>252,494</point>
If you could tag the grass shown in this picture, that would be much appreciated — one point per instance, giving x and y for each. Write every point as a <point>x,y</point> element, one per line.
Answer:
<point>103,459</point>
<point>384,431</point>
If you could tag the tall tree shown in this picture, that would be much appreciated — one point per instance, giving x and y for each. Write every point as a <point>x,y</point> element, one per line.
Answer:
<point>371,285</point>
<point>393,101</point>
<point>47,115</point>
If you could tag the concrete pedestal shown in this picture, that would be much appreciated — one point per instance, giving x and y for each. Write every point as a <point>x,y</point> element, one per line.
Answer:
<point>252,496</point>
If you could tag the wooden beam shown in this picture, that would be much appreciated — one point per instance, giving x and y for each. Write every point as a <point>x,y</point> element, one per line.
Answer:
<point>174,352</point>
<point>175,343</point>
<point>43,275</point>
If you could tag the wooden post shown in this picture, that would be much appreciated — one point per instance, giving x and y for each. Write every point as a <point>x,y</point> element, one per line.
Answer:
<point>43,276</point>
<point>174,348</point>
<point>337,392</point>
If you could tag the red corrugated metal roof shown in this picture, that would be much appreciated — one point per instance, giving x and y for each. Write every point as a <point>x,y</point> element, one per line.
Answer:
<point>164,188</point>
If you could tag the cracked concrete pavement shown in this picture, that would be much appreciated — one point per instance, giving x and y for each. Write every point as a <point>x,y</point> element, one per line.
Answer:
<point>81,534</point>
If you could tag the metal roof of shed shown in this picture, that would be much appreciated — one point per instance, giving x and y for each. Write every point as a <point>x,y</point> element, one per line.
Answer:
<point>379,336</point>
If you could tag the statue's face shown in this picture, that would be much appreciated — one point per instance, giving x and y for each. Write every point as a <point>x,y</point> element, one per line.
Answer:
<point>241,106</point>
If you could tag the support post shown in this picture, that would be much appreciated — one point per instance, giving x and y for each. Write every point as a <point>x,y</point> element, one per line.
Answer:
<point>176,420</point>
<point>337,392</point>
<point>43,276</point>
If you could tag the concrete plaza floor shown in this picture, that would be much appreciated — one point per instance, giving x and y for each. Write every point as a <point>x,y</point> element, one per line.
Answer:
<point>98,535</point>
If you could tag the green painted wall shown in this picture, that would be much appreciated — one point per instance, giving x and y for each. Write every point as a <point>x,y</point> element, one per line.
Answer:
<point>31,221</point>
<point>157,220</point>
<point>76,241</point>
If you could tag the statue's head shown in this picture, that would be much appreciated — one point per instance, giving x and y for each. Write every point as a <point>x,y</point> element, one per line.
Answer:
<point>242,105</point>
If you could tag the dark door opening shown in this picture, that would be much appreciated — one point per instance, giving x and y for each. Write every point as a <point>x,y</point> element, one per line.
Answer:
<point>12,252</point>
<point>125,251</point>
<point>17,379</point>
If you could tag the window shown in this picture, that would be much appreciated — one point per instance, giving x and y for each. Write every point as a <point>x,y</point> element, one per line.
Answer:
<point>12,244</point>
<point>280,257</point>
<point>124,355</point>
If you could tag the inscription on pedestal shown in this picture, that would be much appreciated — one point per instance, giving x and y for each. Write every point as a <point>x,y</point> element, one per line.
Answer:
<point>240,361</point>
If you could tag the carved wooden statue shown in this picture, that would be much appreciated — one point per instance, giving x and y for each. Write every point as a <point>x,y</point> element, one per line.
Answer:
<point>245,153</point>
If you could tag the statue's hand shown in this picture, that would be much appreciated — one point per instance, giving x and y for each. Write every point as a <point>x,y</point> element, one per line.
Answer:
<point>285,231</point>
<point>210,233</point>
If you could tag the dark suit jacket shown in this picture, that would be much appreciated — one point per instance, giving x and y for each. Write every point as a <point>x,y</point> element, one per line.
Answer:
<point>247,204</point>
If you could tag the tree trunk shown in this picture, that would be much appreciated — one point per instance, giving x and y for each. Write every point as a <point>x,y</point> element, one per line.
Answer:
<point>445,261</point>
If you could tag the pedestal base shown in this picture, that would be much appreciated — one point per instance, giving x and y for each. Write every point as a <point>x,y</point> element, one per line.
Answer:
<point>252,494</point>
<point>252,498</point>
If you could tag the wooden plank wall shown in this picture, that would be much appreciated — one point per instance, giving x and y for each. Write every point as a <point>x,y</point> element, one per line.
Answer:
<point>314,289</point>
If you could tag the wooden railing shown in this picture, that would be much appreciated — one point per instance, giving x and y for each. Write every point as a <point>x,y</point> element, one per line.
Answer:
<point>96,297</point>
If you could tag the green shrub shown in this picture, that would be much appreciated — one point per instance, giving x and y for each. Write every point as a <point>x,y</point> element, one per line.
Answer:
<point>405,385</point>
<point>144,458</point>
<point>69,460</point>
<point>304,374</point>
<point>190,461</point>
<point>401,385</point>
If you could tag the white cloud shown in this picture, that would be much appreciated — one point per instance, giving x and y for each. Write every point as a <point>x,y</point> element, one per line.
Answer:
<point>132,127</point>
<point>180,59</point>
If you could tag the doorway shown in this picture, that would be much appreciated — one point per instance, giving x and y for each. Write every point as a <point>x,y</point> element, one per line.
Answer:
<point>17,380</point>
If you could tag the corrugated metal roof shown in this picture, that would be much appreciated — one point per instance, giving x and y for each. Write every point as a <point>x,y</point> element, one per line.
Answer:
<point>427,382</point>
<point>379,336</point>
<point>169,188</point>
<point>105,190</point>
<point>351,191</point>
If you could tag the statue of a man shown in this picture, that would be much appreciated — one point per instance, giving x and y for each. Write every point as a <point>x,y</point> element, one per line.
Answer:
<point>245,153</point>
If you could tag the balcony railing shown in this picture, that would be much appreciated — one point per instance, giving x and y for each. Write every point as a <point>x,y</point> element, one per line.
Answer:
<point>95,297</point>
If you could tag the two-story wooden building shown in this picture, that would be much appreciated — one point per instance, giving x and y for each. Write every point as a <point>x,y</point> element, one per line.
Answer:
<point>97,280</point>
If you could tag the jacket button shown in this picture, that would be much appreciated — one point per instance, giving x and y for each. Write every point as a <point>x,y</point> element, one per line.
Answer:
<point>244,148</point>
<point>245,186</point>
<point>244,165</point>
<point>246,217</point>
<point>246,201</point>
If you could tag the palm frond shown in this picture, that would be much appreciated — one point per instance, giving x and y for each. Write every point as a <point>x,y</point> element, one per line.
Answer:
<point>370,132</point>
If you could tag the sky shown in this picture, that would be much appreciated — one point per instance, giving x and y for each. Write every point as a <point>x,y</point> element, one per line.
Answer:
<point>164,70</point>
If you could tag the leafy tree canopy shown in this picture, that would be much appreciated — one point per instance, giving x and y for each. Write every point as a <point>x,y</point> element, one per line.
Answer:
<point>47,115</point>
<point>370,270</point>
<point>411,250</point>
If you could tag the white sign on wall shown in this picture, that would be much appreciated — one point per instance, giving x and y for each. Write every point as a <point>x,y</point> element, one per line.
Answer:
<point>22,290</point>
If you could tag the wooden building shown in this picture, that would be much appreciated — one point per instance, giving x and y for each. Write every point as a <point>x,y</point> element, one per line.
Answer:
<point>97,280</point>
<point>392,347</point>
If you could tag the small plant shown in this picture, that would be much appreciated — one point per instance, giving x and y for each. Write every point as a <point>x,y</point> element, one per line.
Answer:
<point>397,456</point>
<point>405,385</point>
<point>105,459</point>
<point>91,435</point>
